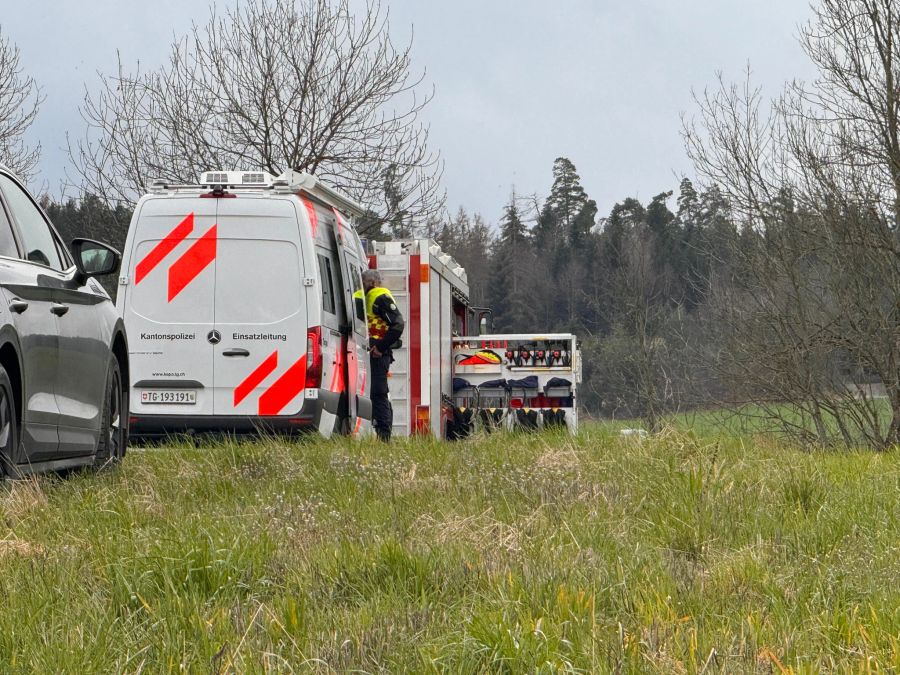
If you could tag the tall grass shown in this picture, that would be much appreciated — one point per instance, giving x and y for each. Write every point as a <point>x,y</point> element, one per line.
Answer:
<point>681,553</point>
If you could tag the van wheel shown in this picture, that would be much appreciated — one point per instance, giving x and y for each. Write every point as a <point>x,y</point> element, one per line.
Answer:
<point>113,436</point>
<point>9,436</point>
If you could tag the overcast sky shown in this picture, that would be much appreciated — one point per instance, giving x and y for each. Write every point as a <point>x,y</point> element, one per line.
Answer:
<point>518,82</point>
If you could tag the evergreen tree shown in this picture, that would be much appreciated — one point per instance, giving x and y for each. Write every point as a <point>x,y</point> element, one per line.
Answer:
<point>688,204</point>
<point>582,227</point>
<point>568,214</point>
<point>512,274</point>
<point>623,218</point>
<point>567,196</point>
<point>659,218</point>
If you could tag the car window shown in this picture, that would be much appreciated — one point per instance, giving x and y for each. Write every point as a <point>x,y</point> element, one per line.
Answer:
<point>40,244</point>
<point>7,241</point>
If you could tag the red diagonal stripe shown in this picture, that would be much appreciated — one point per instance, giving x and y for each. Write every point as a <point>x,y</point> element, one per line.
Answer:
<point>184,270</point>
<point>164,248</point>
<point>284,390</point>
<point>253,379</point>
<point>311,212</point>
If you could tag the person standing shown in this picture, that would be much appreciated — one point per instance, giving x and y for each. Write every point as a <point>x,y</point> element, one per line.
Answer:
<point>385,328</point>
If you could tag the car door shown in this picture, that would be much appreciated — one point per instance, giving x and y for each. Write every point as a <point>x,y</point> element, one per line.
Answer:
<point>333,340</point>
<point>261,314</point>
<point>84,356</point>
<point>353,325</point>
<point>169,306</point>
<point>29,285</point>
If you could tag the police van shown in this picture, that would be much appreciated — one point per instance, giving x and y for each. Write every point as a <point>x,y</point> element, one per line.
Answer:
<point>238,300</point>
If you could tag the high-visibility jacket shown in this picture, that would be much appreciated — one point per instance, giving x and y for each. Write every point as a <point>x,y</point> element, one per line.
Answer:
<point>384,318</point>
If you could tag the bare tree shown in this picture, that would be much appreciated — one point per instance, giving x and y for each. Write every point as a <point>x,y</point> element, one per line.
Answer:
<point>637,370</point>
<point>20,99</point>
<point>812,309</point>
<point>273,84</point>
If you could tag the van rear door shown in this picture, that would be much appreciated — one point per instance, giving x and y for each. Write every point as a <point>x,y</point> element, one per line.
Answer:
<point>169,308</point>
<point>260,363</point>
<point>353,327</point>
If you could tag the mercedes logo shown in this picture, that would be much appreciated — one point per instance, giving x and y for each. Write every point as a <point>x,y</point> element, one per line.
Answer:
<point>214,337</point>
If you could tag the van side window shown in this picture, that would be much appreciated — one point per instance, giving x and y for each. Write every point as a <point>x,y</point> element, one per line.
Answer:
<point>328,303</point>
<point>359,295</point>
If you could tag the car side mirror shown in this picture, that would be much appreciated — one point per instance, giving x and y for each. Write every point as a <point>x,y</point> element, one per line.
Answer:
<point>94,258</point>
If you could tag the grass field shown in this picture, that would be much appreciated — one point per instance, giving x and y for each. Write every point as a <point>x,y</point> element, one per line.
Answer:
<point>506,554</point>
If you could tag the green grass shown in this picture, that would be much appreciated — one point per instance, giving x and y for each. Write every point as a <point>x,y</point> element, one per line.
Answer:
<point>507,554</point>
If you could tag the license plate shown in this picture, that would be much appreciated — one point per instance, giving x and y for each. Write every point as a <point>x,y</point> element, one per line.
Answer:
<point>178,396</point>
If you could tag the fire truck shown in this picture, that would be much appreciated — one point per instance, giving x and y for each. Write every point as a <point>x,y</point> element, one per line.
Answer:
<point>451,378</point>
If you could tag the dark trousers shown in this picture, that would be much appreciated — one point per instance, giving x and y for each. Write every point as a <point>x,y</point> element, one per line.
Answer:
<point>382,412</point>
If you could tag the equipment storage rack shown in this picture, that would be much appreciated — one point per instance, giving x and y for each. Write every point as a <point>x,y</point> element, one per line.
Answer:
<point>532,378</point>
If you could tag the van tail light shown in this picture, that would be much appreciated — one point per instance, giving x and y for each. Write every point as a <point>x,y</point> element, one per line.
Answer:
<point>313,357</point>
<point>423,420</point>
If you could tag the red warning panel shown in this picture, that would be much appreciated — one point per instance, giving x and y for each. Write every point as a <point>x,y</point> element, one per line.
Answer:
<point>254,379</point>
<point>159,252</point>
<point>284,389</point>
<point>184,270</point>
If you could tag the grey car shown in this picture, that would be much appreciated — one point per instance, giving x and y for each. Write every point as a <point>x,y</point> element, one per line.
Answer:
<point>63,350</point>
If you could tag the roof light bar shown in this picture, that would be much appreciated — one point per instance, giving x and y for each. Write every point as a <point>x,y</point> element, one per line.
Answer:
<point>290,182</point>
<point>248,178</point>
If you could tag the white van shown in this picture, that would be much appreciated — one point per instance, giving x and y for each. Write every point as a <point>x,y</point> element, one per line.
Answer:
<point>238,300</point>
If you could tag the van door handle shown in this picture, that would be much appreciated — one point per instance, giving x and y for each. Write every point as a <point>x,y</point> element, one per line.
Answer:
<point>18,306</point>
<point>236,352</point>
<point>58,309</point>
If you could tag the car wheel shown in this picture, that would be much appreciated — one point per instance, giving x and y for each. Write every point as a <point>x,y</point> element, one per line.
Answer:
<point>9,436</point>
<point>113,432</point>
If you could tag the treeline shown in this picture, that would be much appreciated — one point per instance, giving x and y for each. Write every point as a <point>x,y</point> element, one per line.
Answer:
<point>89,217</point>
